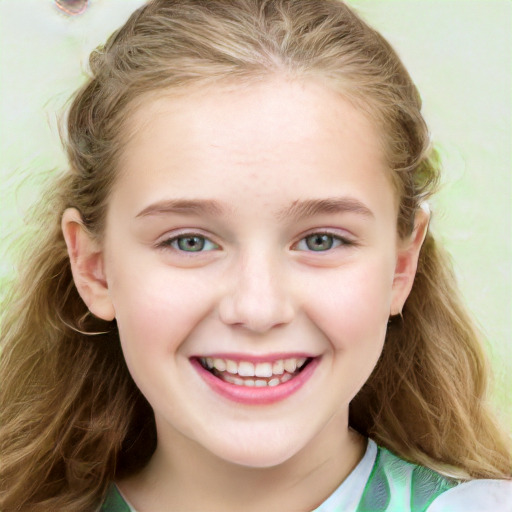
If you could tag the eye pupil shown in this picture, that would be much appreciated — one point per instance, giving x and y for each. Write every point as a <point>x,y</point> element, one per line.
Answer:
<point>319,242</point>
<point>191,243</point>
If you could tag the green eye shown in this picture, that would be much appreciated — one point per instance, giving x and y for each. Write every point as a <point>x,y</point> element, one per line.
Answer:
<point>191,243</point>
<point>320,242</point>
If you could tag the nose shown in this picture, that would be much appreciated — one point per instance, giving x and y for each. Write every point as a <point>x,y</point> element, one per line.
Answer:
<point>258,297</point>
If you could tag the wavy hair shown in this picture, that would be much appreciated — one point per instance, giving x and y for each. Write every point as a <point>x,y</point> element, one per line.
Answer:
<point>71,418</point>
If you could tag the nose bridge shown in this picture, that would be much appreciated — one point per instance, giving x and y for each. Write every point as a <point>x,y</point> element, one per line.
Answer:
<point>259,297</point>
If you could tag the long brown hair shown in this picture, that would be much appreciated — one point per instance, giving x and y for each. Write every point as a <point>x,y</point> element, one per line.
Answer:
<point>71,417</point>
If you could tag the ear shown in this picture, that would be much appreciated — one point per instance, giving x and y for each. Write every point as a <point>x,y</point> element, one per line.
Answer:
<point>407,260</point>
<point>87,265</point>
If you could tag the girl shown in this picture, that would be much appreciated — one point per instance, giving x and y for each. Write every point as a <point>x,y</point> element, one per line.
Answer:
<point>235,302</point>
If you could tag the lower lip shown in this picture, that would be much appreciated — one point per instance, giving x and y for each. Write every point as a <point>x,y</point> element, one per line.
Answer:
<point>256,395</point>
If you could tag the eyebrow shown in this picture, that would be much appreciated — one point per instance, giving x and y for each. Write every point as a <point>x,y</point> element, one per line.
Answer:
<point>297,210</point>
<point>183,207</point>
<point>311,207</point>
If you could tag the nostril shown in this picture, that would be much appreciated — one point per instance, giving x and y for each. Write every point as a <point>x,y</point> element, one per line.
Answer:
<point>257,299</point>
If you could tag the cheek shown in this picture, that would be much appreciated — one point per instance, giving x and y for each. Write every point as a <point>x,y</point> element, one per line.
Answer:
<point>157,309</point>
<point>352,314</point>
<point>352,308</point>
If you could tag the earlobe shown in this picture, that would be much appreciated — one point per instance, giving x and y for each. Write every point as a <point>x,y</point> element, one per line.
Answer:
<point>407,260</point>
<point>87,265</point>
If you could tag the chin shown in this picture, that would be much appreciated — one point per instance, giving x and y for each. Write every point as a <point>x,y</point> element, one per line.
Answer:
<point>265,453</point>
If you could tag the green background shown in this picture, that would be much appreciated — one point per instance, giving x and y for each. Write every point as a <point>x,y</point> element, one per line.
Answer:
<point>459,52</point>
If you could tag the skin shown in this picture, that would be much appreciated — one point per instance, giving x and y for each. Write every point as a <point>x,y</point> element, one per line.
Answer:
<point>256,289</point>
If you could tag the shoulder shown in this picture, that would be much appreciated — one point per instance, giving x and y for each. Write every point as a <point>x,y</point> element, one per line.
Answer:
<point>396,484</point>
<point>475,496</point>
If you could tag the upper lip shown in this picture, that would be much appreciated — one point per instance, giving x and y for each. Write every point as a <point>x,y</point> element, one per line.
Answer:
<point>267,358</point>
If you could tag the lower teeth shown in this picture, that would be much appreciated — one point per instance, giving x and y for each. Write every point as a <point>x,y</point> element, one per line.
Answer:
<point>251,382</point>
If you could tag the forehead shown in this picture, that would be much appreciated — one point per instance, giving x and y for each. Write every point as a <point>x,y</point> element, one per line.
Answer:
<point>278,136</point>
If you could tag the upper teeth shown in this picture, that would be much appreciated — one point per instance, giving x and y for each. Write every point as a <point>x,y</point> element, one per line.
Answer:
<point>248,369</point>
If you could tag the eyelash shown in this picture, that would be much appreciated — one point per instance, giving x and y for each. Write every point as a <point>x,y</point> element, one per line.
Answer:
<point>337,241</point>
<point>173,242</point>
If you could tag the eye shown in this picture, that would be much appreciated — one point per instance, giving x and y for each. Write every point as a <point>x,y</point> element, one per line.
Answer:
<point>190,243</point>
<point>320,242</point>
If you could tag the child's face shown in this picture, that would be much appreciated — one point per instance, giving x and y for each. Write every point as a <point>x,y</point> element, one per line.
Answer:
<point>288,250</point>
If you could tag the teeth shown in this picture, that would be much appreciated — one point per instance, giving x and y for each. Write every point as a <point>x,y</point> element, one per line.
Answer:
<point>220,364</point>
<point>290,365</point>
<point>278,369</point>
<point>231,366</point>
<point>263,370</point>
<point>245,369</point>
<point>259,383</point>
<point>234,380</point>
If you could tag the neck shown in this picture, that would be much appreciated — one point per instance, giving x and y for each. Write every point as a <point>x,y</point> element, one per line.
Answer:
<point>184,476</point>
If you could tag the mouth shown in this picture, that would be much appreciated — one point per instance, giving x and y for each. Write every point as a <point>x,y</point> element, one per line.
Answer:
<point>247,373</point>
<point>255,382</point>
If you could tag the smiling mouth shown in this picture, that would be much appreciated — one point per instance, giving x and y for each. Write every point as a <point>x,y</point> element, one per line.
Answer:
<point>262,374</point>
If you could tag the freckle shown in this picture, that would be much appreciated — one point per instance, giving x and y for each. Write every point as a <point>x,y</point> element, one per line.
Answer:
<point>72,7</point>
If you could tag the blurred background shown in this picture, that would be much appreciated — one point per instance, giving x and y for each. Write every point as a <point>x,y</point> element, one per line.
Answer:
<point>459,52</point>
